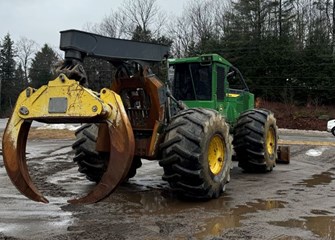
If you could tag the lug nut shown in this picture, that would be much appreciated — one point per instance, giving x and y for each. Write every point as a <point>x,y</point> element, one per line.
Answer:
<point>94,108</point>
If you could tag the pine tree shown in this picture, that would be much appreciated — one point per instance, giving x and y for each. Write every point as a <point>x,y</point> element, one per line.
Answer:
<point>20,80</point>
<point>41,70</point>
<point>7,74</point>
<point>141,35</point>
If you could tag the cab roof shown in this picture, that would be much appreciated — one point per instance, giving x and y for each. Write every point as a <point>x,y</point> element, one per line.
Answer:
<point>202,58</point>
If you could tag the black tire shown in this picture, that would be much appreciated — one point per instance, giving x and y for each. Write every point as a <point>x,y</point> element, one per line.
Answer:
<point>91,162</point>
<point>256,141</point>
<point>333,131</point>
<point>185,154</point>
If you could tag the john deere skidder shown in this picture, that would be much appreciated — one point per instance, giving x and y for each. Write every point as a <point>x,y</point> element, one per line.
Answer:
<point>138,117</point>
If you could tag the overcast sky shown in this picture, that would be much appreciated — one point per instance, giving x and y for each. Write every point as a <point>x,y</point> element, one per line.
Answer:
<point>41,20</point>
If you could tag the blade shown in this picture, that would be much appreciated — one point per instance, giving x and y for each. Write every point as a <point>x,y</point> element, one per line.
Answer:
<point>14,156</point>
<point>121,155</point>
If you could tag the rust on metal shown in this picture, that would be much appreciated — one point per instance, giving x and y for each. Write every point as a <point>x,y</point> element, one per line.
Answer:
<point>120,159</point>
<point>103,143</point>
<point>111,111</point>
<point>14,149</point>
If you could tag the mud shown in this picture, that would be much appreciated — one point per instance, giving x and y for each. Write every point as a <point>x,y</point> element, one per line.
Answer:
<point>295,201</point>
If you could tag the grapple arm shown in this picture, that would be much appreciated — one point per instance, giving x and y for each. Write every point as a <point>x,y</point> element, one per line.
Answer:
<point>66,101</point>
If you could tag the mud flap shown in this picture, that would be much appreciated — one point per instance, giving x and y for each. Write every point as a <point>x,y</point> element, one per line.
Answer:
<point>283,153</point>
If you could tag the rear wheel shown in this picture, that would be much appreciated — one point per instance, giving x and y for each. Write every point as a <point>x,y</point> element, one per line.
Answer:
<point>255,140</point>
<point>91,162</point>
<point>197,154</point>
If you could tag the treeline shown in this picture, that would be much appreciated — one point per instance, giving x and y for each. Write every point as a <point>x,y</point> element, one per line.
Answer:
<point>21,65</point>
<point>284,48</point>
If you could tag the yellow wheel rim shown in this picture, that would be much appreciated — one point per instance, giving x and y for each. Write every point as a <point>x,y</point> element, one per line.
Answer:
<point>216,154</point>
<point>270,141</point>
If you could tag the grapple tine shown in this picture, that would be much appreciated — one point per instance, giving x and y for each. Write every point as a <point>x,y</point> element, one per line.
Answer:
<point>121,155</point>
<point>31,106</point>
<point>14,148</point>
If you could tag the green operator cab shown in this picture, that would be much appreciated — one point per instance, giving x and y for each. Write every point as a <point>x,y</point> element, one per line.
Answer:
<point>210,81</point>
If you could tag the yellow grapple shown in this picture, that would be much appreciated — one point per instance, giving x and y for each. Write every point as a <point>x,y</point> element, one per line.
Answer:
<point>61,101</point>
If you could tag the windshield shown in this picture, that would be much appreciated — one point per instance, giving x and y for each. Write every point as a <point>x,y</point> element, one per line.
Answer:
<point>191,81</point>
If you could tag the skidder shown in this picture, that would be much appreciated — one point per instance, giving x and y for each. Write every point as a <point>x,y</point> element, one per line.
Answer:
<point>186,124</point>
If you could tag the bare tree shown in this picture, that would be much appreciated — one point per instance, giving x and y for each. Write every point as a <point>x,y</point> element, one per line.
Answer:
<point>182,34</point>
<point>144,14</point>
<point>222,13</point>
<point>131,16</point>
<point>202,16</point>
<point>112,25</point>
<point>200,21</point>
<point>26,49</point>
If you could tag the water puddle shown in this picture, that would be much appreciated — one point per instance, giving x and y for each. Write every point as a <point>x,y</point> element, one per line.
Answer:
<point>215,226</point>
<point>323,226</point>
<point>147,196</point>
<point>156,202</point>
<point>318,179</point>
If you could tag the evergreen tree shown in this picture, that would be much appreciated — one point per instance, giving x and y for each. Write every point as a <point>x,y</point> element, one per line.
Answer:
<point>41,70</point>
<point>7,74</point>
<point>141,35</point>
<point>20,83</point>
<point>99,73</point>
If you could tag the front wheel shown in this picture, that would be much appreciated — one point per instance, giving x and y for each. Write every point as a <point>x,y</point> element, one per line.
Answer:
<point>256,140</point>
<point>197,154</point>
<point>92,163</point>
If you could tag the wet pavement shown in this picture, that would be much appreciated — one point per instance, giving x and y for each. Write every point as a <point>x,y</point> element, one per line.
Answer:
<point>295,201</point>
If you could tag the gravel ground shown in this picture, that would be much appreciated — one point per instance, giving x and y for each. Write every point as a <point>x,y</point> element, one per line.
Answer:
<point>295,201</point>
